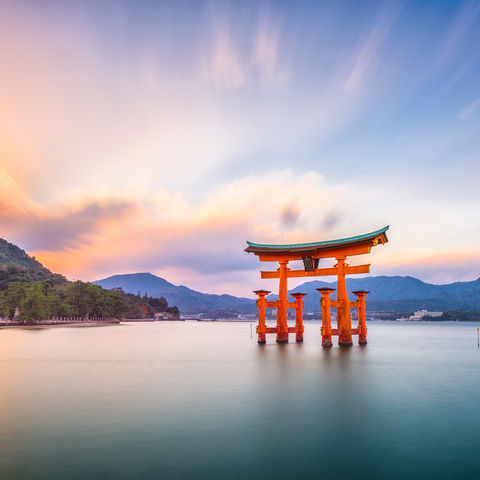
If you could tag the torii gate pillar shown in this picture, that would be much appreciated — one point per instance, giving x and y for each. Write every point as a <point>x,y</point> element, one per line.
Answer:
<point>326,320</point>
<point>298,316</point>
<point>261,303</point>
<point>362,325</point>
<point>344,319</point>
<point>282,327</point>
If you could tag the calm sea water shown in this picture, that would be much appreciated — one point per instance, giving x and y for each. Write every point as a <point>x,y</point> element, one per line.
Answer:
<point>203,400</point>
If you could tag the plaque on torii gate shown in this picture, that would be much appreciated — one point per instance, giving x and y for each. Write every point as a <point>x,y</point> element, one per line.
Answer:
<point>310,254</point>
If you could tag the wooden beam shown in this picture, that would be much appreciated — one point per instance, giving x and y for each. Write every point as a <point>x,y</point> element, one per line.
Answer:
<point>277,304</point>
<point>272,304</point>
<point>318,272</point>
<point>359,249</point>
<point>350,270</point>
<point>335,304</point>
<point>301,273</point>
<point>336,331</point>
<point>347,251</point>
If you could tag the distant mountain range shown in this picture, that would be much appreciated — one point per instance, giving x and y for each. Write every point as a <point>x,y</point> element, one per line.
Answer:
<point>186,299</point>
<point>397,294</point>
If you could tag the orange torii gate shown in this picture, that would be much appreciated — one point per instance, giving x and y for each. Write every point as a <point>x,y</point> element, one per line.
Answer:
<point>310,253</point>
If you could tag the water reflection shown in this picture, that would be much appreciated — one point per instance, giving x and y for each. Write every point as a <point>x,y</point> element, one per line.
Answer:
<point>171,400</point>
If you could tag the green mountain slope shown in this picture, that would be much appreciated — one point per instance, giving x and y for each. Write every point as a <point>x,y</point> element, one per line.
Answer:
<point>17,266</point>
<point>10,253</point>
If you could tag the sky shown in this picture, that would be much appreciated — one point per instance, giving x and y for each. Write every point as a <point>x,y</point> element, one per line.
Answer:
<point>160,136</point>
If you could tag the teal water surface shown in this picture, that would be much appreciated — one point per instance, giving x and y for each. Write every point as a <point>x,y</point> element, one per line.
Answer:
<point>191,400</point>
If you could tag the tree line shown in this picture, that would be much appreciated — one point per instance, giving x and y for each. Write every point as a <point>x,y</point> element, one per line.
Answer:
<point>145,306</point>
<point>44,300</point>
<point>32,301</point>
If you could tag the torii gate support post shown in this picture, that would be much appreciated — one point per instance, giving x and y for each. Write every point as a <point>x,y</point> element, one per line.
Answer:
<point>344,319</point>
<point>282,327</point>
<point>326,316</point>
<point>362,325</point>
<point>298,316</point>
<point>261,303</point>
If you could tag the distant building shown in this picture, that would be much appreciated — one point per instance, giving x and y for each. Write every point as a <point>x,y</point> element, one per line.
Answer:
<point>165,316</point>
<point>424,313</point>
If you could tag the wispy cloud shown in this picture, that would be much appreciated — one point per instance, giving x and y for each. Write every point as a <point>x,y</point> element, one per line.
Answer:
<point>258,61</point>
<point>63,227</point>
<point>14,199</point>
<point>469,109</point>
<point>459,31</point>
<point>266,54</point>
<point>460,49</point>
<point>68,229</point>
<point>227,68</point>
<point>371,46</point>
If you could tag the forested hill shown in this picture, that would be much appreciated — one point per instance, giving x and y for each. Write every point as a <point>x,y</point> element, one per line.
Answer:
<point>30,292</point>
<point>17,266</point>
<point>10,253</point>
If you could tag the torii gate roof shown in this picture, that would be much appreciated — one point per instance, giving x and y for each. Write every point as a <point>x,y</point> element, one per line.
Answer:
<point>372,238</point>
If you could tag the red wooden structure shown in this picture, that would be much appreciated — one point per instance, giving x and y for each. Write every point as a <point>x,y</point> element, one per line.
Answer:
<point>310,253</point>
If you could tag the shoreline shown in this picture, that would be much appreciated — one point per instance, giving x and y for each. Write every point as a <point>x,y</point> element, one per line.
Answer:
<point>38,326</point>
<point>30,326</point>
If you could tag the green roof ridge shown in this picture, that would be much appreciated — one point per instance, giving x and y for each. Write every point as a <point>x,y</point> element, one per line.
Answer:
<point>324,243</point>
